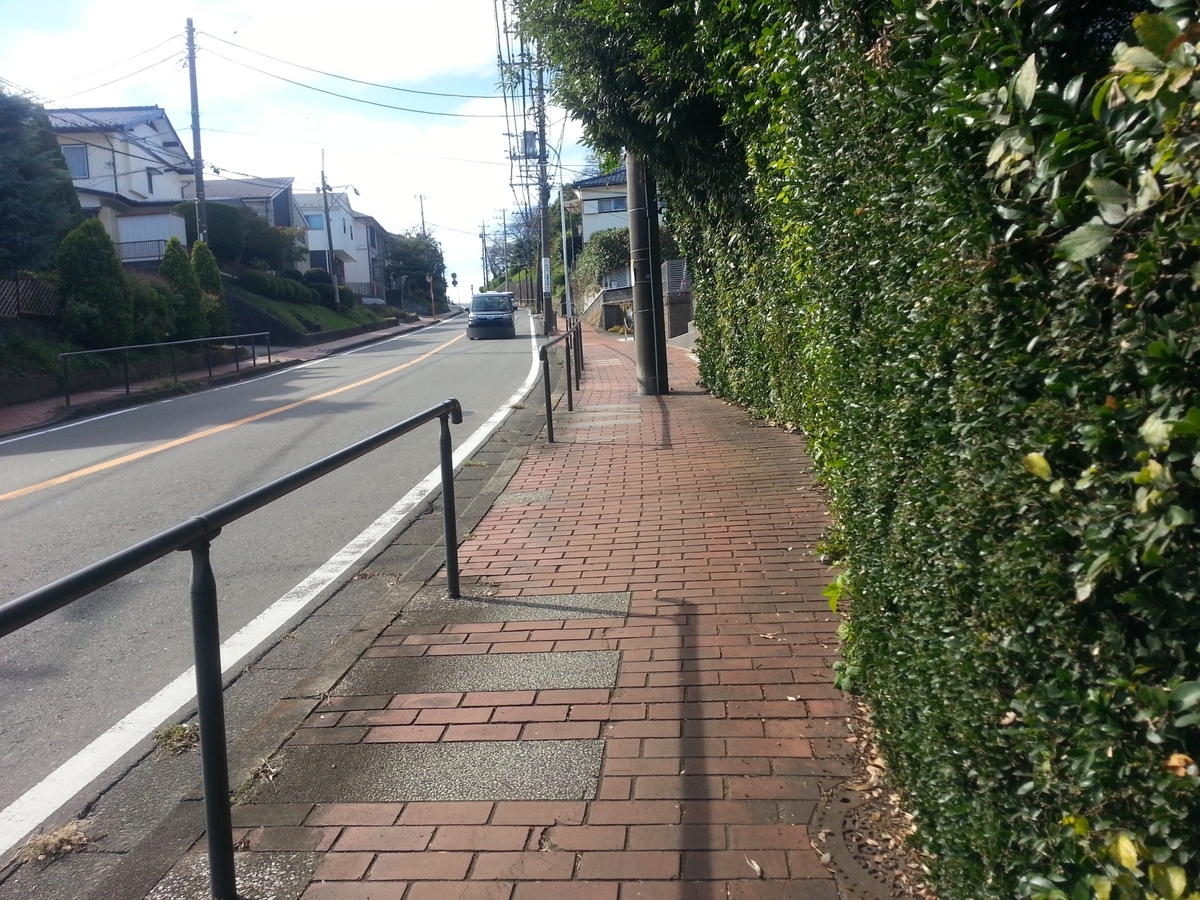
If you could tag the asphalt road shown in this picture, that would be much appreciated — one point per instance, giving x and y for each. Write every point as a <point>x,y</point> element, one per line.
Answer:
<point>71,496</point>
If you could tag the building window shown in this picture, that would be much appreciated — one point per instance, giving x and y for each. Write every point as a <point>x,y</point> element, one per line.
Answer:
<point>316,221</point>
<point>77,160</point>
<point>316,259</point>
<point>371,237</point>
<point>611,204</point>
<point>150,181</point>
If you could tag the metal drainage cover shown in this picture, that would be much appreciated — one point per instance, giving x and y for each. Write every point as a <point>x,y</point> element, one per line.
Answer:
<point>431,606</point>
<point>470,770</point>
<point>575,670</point>
<point>517,498</point>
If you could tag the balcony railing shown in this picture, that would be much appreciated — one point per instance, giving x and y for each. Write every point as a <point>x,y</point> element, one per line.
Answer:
<point>140,251</point>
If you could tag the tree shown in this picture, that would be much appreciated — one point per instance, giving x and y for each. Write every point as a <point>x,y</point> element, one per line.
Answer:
<point>177,269</point>
<point>38,205</point>
<point>226,229</point>
<point>209,277</point>
<point>99,311</point>
<point>413,255</point>
<point>266,245</point>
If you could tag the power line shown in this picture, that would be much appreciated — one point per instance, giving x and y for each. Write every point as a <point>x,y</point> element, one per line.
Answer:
<point>386,87</point>
<point>421,112</point>
<point>114,65</point>
<point>172,57</point>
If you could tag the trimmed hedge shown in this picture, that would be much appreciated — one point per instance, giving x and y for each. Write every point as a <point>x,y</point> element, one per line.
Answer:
<point>276,288</point>
<point>967,267</point>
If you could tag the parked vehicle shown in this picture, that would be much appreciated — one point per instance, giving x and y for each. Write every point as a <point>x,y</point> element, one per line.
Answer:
<point>491,316</point>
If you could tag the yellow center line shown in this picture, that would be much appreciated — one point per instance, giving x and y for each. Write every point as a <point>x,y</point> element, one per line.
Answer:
<point>208,432</point>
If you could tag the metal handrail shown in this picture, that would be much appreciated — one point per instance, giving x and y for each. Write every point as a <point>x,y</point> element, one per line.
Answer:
<point>208,341</point>
<point>196,535</point>
<point>572,337</point>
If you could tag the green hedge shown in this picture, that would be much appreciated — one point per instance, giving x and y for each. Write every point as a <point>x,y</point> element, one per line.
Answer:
<point>966,265</point>
<point>276,288</point>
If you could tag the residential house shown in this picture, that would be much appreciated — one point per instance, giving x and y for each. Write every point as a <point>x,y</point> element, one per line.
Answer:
<point>129,166</point>
<point>271,198</point>
<point>342,234</point>
<point>367,276</point>
<point>603,200</point>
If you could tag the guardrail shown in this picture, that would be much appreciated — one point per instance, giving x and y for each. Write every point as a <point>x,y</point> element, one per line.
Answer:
<point>196,535</point>
<point>208,342</point>
<point>571,338</point>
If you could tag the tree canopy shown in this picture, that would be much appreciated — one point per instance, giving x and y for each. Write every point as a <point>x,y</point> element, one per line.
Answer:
<point>38,204</point>
<point>410,257</point>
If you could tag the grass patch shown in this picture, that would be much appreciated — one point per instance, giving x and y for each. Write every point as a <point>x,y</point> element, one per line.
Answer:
<point>69,838</point>
<point>22,355</point>
<point>176,739</point>
<point>311,317</point>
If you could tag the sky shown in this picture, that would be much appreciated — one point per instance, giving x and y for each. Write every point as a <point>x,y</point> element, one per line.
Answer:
<point>97,53</point>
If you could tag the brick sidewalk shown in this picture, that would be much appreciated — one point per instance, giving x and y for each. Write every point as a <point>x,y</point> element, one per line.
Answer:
<point>659,560</point>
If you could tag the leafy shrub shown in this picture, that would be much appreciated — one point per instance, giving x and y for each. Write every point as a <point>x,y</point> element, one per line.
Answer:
<point>318,276</point>
<point>226,228</point>
<point>607,251</point>
<point>99,310</point>
<point>292,275</point>
<point>324,291</point>
<point>347,296</point>
<point>153,300</point>
<point>188,319</point>
<point>208,273</point>
<point>940,239</point>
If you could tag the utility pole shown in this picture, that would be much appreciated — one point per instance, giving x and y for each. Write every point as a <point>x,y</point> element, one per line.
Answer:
<point>483,240</point>
<point>649,325</point>
<point>562,208</point>
<point>421,198</point>
<point>337,294</point>
<point>507,268</point>
<point>544,201</point>
<point>197,160</point>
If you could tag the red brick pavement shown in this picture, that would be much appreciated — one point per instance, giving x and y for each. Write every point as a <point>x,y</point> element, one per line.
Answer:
<point>723,726</point>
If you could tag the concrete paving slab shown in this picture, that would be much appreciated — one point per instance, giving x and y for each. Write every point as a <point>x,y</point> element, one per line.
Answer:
<point>260,876</point>
<point>470,770</point>
<point>431,606</point>
<point>485,672</point>
<point>518,498</point>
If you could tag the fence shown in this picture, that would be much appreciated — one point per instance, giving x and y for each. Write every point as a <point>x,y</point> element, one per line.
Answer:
<point>207,342</point>
<point>140,251</point>
<point>196,535</point>
<point>572,341</point>
<point>29,295</point>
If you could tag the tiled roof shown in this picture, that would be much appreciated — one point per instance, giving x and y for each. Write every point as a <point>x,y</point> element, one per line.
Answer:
<point>617,176</point>
<point>241,188</point>
<point>103,118</point>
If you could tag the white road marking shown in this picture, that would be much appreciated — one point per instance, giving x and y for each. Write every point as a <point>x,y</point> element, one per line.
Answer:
<point>54,791</point>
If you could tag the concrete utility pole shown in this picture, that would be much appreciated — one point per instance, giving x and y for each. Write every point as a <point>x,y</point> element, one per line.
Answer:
<point>507,268</point>
<point>562,208</point>
<point>421,198</point>
<point>649,321</point>
<point>197,161</point>
<point>543,272</point>
<point>483,240</point>
<point>337,294</point>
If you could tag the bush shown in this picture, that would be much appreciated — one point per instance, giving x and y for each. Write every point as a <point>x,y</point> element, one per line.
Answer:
<point>188,316</point>
<point>208,274</point>
<point>346,296</point>
<point>277,288</point>
<point>99,309</point>
<point>318,276</point>
<point>325,293</point>
<point>153,300</point>
<point>938,238</point>
<point>226,229</point>
<point>292,275</point>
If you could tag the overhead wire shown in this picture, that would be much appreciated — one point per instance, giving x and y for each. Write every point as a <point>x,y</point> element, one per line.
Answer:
<point>386,87</point>
<point>172,58</point>
<point>420,112</point>
<point>122,62</point>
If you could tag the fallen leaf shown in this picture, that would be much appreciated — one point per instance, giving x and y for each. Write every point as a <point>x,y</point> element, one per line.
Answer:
<point>755,866</point>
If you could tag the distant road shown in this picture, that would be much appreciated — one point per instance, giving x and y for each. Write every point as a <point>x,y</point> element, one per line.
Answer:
<point>73,495</point>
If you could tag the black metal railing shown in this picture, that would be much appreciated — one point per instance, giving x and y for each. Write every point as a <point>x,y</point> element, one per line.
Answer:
<point>572,341</point>
<point>207,342</point>
<point>140,251</point>
<point>196,535</point>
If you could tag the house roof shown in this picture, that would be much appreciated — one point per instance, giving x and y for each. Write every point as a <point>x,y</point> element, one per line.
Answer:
<point>613,178</point>
<point>240,188</point>
<point>103,118</point>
